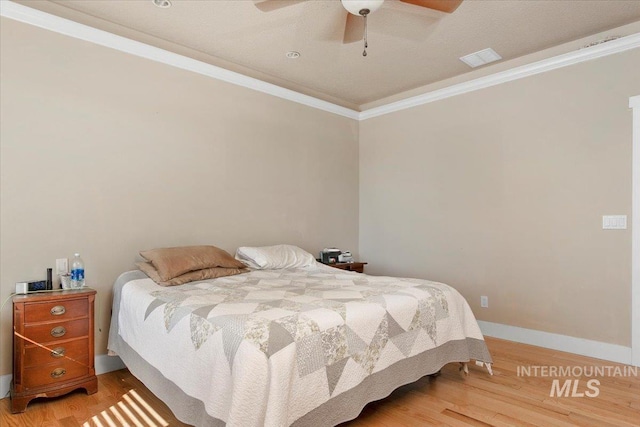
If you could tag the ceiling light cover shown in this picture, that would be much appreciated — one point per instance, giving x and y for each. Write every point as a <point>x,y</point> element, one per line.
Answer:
<point>480,57</point>
<point>355,6</point>
<point>162,3</point>
<point>292,54</point>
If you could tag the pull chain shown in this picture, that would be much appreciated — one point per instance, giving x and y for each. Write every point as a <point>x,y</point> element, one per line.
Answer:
<point>366,45</point>
<point>364,13</point>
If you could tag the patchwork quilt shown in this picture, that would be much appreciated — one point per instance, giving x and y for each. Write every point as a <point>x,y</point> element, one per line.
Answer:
<point>269,346</point>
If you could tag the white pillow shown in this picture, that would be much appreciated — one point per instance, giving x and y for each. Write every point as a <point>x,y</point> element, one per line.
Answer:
<point>274,257</point>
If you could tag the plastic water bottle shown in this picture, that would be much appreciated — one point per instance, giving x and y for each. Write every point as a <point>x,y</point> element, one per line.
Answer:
<point>77,272</point>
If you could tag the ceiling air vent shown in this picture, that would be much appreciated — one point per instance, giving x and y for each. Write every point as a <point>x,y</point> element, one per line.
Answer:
<point>480,57</point>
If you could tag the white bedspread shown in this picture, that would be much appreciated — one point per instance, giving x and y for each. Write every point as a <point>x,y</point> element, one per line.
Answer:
<point>266,347</point>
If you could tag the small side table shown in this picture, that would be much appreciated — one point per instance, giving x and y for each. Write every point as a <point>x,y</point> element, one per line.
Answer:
<point>358,267</point>
<point>53,345</point>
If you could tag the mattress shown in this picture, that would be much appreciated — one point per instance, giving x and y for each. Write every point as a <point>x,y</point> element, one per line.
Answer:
<point>305,346</point>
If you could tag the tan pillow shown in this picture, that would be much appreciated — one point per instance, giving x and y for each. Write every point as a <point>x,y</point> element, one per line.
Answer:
<point>192,276</point>
<point>173,262</point>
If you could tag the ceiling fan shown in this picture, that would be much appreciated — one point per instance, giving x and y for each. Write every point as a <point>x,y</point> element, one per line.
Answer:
<point>363,8</point>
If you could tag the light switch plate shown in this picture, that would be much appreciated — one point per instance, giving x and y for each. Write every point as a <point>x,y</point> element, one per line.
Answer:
<point>614,222</point>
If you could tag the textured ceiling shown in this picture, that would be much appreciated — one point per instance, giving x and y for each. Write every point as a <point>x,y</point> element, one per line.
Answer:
<point>409,47</point>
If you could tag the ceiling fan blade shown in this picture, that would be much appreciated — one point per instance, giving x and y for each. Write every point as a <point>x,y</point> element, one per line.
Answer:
<point>353,29</point>
<point>269,5</point>
<point>446,6</point>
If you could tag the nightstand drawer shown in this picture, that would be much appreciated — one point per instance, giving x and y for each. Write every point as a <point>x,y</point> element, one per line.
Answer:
<point>35,356</point>
<point>63,371</point>
<point>57,331</point>
<point>58,310</point>
<point>357,267</point>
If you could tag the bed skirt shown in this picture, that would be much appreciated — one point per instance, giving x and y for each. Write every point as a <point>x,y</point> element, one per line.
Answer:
<point>341,408</point>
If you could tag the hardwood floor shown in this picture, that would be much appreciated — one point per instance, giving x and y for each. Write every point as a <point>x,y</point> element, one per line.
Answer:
<point>504,399</point>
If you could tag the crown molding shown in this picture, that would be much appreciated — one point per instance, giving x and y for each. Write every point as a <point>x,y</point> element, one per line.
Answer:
<point>586,54</point>
<point>70,28</point>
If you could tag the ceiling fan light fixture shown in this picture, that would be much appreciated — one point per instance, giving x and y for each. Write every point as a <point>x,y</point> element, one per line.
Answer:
<point>355,6</point>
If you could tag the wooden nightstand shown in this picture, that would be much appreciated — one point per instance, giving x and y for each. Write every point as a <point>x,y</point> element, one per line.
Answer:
<point>57,355</point>
<point>358,267</point>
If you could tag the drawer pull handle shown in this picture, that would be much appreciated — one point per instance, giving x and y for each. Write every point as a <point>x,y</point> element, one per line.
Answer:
<point>58,352</point>
<point>58,373</point>
<point>58,310</point>
<point>58,331</point>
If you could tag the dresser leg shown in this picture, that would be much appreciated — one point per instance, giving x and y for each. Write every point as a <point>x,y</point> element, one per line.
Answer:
<point>92,386</point>
<point>19,404</point>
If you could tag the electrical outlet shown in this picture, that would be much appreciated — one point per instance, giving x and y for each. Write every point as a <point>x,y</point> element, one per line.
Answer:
<point>484,301</point>
<point>62,266</point>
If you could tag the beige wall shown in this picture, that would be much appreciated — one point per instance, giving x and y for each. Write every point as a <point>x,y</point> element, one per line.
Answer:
<point>107,154</point>
<point>501,192</point>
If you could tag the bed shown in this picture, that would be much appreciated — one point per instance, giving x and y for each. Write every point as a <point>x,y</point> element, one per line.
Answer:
<point>307,346</point>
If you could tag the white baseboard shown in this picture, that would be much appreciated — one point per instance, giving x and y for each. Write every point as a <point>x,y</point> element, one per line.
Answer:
<point>5,383</point>
<point>584,347</point>
<point>106,364</point>
<point>103,365</point>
